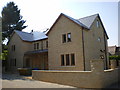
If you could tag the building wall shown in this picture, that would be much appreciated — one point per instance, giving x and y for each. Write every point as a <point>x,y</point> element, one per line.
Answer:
<point>37,60</point>
<point>42,44</point>
<point>92,45</point>
<point>0,34</point>
<point>20,48</point>
<point>57,48</point>
<point>97,78</point>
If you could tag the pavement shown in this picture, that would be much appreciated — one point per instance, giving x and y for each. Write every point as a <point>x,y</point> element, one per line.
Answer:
<point>16,81</point>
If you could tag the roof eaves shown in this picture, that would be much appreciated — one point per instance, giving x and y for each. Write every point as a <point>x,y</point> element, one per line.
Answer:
<point>39,39</point>
<point>103,27</point>
<point>54,24</point>
<point>36,51</point>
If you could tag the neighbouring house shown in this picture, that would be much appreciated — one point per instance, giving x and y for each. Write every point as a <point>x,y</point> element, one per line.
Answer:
<point>117,51</point>
<point>114,50</point>
<point>19,45</point>
<point>69,44</point>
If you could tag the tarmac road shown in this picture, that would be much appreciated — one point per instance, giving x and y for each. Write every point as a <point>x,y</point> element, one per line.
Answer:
<point>17,81</point>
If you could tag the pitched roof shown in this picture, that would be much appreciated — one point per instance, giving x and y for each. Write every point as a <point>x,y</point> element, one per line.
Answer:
<point>85,22</point>
<point>112,49</point>
<point>76,21</point>
<point>30,36</point>
<point>88,20</point>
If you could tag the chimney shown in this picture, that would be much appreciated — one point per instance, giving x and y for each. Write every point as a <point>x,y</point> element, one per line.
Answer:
<point>46,30</point>
<point>31,31</point>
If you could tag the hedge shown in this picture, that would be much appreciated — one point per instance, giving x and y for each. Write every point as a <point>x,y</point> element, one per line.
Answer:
<point>115,57</point>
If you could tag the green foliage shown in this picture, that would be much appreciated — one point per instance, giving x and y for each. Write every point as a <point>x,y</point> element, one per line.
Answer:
<point>3,56</point>
<point>11,20</point>
<point>4,53</point>
<point>115,57</point>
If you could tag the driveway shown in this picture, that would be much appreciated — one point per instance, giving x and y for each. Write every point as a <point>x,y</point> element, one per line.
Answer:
<point>16,81</point>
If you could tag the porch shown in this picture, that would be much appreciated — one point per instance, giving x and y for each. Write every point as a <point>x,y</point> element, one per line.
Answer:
<point>37,59</point>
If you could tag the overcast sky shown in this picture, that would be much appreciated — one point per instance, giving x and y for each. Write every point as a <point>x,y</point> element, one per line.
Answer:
<point>41,14</point>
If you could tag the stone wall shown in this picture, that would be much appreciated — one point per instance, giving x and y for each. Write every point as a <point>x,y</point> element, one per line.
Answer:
<point>96,78</point>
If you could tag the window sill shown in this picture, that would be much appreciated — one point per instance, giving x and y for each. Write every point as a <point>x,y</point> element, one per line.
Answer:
<point>68,66</point>
<point>66,42</point>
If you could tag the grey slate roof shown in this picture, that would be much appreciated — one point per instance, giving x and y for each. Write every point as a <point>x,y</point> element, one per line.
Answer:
<point>85,22</point>
<point>88,20</point>
<point>31,36</point>
<point>76,21</point>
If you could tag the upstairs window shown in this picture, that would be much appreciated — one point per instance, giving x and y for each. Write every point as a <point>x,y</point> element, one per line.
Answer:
<point>13,47</point>
<point>41,45</point>
<point>46,44</point>
<point>34,45</point>
<point>99,39</point>
<point>64,38</point>
<point>37,45</point>
<point>69,37</point>
<point>98,24</point>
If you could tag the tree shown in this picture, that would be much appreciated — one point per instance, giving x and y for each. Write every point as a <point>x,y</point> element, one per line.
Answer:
<point>11,20</point>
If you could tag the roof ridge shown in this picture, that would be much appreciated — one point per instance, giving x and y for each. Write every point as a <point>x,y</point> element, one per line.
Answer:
<point>22,31</point>
<point>75,20</point>
<point>89,16</point>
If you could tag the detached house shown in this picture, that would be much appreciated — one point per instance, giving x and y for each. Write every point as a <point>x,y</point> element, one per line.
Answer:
<point>70,44</point>
<point>74,42</point>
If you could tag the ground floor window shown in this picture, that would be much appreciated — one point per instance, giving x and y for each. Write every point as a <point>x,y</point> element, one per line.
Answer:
<point>27,62</point>
<point>62,60</point>
<point>68,59</point>
<point>72,59</point>
<point>13,62</point>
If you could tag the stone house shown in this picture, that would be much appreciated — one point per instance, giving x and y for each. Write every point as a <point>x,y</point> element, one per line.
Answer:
<point>74,42</point>
<point>70,44</point>
<point>19,45</point>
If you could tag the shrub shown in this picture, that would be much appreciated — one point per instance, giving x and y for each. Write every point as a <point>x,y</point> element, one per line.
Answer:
<point>115,57</point>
